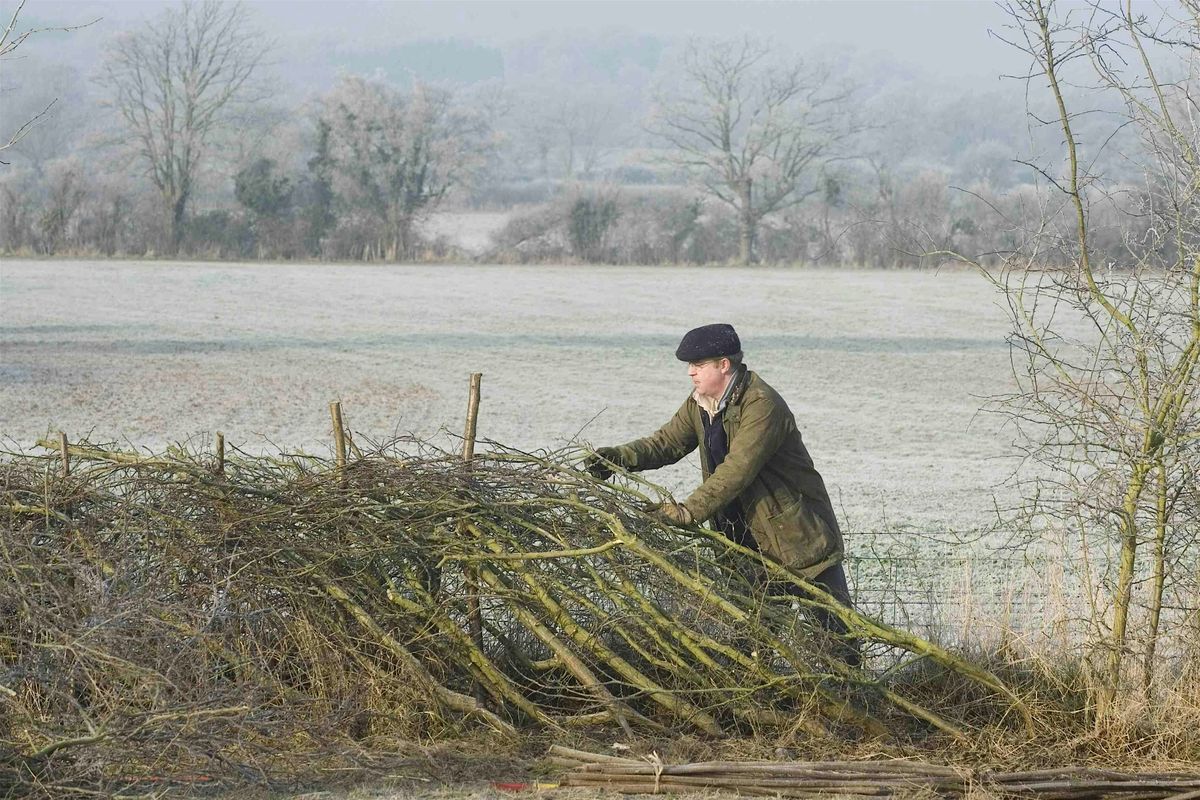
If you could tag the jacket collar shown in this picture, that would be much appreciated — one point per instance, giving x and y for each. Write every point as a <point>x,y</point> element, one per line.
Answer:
<point>737,387</point>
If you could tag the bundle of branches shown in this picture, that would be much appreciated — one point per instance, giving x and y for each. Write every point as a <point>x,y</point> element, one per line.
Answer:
<point>167,614</point>
<point>880,778</point>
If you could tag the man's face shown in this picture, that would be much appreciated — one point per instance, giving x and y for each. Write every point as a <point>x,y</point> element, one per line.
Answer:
<point>710,376</point>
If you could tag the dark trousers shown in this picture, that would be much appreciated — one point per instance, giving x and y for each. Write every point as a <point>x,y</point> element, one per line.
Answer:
<point>832,580</point>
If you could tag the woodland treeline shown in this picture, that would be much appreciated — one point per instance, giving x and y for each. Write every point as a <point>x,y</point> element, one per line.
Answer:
<point>182,143</point>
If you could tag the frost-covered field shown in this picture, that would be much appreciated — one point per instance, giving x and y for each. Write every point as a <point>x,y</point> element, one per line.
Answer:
<point>885,371</point>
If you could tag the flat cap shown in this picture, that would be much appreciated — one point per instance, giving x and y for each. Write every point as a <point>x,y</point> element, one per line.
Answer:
<point>708,341</point>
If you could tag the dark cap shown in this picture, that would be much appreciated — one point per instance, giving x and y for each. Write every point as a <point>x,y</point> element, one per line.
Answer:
<point>708,341</point>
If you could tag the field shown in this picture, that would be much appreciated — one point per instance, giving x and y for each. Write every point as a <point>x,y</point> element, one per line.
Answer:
<point>885,371</point>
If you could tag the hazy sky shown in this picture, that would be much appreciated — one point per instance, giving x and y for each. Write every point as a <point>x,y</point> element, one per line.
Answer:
<point>946,37</point>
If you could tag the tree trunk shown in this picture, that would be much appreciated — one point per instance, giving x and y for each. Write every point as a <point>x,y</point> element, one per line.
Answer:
<point>175,210</point>
<point>1158,576</point>
<point>1122,595</point>
<point>404,236</point>
<point>746,222</point>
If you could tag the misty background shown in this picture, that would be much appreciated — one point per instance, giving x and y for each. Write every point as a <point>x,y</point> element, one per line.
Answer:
<point>565,158</point>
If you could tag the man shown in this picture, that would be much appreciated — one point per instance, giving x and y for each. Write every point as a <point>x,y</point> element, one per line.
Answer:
<point>760,488</point>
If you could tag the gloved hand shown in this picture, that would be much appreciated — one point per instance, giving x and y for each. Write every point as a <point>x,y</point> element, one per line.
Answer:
<point>671,513</point>
<point>597,464</point>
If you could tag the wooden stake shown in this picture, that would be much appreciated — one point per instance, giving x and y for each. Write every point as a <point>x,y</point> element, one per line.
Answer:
<point>472,417</point>
<point>66,456</point>
<point>339,433</point>
<point>220,453</point>
<point>474,616</point>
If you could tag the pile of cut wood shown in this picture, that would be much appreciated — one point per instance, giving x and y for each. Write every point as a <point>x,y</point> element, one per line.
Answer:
<point>881,778</point>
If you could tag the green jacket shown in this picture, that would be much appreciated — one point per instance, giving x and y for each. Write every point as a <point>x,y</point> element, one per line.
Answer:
<point>767,469</point>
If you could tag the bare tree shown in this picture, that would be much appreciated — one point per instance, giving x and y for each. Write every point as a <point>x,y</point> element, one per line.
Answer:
<point>559,134</point>
<point>580,124</point>
<point>10,40</point>
<point>61,129</point>
<point>174,84</point>
<point>1107,361</point>
<point>752,130</point>
<point>66,195</point>
<point>395,155</point>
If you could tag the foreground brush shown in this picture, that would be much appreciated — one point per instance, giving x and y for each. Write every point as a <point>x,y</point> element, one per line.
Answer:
<point>175,614</point>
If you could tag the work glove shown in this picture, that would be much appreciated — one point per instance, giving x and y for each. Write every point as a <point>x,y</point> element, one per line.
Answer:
<point>671,513</point>
<point>597,463</point>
